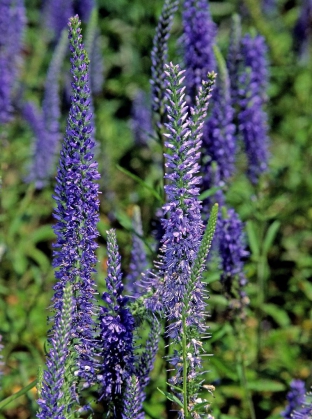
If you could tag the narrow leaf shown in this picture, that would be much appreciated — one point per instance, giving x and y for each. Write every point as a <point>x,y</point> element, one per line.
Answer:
<point>140,181</point>
<point>270,236</point>
<point>171,397</point>
<point>252,238</point>
<point>20,393</point>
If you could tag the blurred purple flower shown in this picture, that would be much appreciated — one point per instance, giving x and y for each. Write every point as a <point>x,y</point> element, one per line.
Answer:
<point>56,14</point>
<point>141,122</point>
<point>138,261</point>
<point>303,28</point>
<point>233,253</point>
<point>12,25</point>
<point>198,37</point>
<point>83,8</point>
<point>45,126</point>
<point>116,325</point>
<point>77,212</point>
<point>252,119</point>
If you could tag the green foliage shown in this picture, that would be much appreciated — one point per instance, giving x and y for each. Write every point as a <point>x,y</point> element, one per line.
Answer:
<point>278,215</point>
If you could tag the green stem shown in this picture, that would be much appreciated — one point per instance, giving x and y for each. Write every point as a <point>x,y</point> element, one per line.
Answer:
<point>185,366</point>
<point>241,361</point>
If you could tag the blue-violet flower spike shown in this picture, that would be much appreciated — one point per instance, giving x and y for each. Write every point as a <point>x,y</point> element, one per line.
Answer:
<point>77,212</point>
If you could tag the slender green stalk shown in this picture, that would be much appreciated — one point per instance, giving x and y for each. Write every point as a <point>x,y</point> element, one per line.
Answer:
<point>185,366</point>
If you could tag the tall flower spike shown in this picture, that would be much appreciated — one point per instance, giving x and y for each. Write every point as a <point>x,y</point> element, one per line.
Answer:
<point>198,37</point>
<point>252,119</point>
<point>218,138</point>
<point>160,52</point>
<point>138,262</point>
<point>183,227</point>
<point>57,393</point>
<point>234,57</point>
<point>93,47</point>
<point>233,253</point>
<point>116,324</point>
<point>84,8</point>
<point>302,30</point>
<point>132,403</point>
<point>46,127</point>
<point>12,24</point>
<point>77,212</point>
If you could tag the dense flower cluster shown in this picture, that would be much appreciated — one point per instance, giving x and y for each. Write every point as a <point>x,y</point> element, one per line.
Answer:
<point>76,194</point>
<point>45,125</point>
<point>183,227</point>
<point>252,119</point>
<point>57,392</point>
<point>12,23</point>
<point>219,143</point>
<point>199,32</point>
<point>233,254</point>
<point>295,398</point>
<point>160,52</point>
<point>116,326</point>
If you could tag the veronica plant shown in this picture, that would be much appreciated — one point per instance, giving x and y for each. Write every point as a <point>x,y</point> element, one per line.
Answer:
<point>181,291</point>
<point>116,325</point>
<point>141,121</point>
<point>12,24</point>
<point>159,55</point>
<point>77,212</point>
<point>57,392</point>
<point>252,118</point>
<point>295,398</point>
<point>45,125</point>
<point>199,33</point>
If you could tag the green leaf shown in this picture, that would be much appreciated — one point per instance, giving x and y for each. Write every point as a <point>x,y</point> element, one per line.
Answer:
<point>20,393</point>
<point>279,315</point>
<point>208,192</point>
<point>265,385</point>
<point>175,387</point>
<point>140,181</point>
<point>270,236</point>
<point>43,233</point>
<point>252,238</point>
<point>171,397</point>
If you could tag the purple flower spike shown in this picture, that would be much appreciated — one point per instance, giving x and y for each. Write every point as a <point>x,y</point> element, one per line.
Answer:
<point>252,119</point>
<point>302,30</point>
<point>115,345</point>
<point>295,398</point>
<point>45,126</point>
<point>183,227</point>
<point>77,212</point>
<point>160,52</point>
<point>12,24</point>
<point>233,253</point>
<point>132,404</point>
<point>58,379</point>
<point>219,143</point>
<point>199,32</point>
<point>56,15</point>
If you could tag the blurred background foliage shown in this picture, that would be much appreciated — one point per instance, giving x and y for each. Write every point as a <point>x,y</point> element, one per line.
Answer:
<point>274,340</point>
